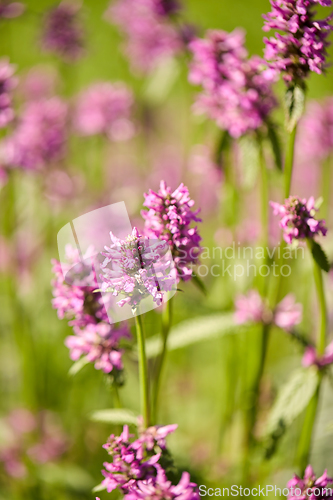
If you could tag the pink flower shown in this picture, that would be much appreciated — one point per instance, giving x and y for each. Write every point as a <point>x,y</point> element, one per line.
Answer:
<point>311,487</point>
<point>250,308</point>
<point>7,84</point>
<point>105,108</point>
<point>288,313</point>
<point>311,357</point>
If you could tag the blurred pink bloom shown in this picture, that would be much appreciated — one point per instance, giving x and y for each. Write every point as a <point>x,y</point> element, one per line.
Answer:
<point>62,31</point>
<point>40,137</point>
<point>7,84</point>
<point>151,34</point>
<point>310,487</point>
<point>253,308</point>
<point>21,421</point>
<point>9,10</point>
<point>39,83</point>
<point>105,108</point>
<point>237,90</point>
<point>288,313</point>
<point>311,357</point>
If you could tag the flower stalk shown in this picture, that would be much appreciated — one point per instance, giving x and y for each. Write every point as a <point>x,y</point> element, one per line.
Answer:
<point>143,372</point>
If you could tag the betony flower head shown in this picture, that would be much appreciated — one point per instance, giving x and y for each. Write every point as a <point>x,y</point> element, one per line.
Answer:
<point>237,90</point>
<point>105,108</point>
<point>136,268</point>
<point>62,31</point>
<point>94,337</point>
<point>7,84</point>
<point>151,34</point>
<point>311,357</point>
<point>301,44</point>
<point>169,217</point>
<point>253,308</point>
<point>298,219</point>
<point>312,488</point>
<point>40,136</point>
<point>10,10</point>
<point>136,468</point>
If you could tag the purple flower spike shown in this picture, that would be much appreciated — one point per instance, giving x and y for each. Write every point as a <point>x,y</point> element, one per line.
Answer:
<point>105,108</point>
<point>302,45</point>
<point>297,219</point>
<point>94,337</point>
<point>40,137</point>
<point>310,487</point>
<point>136,268</point>
<point>151,34</point>
<point>136,470</point>
<point>62,32</point>
<point>7,84</point>
<point>237,90</point>
<point>169,218</point>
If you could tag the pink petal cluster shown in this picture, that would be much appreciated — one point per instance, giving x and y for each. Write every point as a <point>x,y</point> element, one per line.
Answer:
<point>94,337</point>
<point>135,267</point>
<point>136,469</point>
<point>237,90</point>
<point>253,308</point>
<point>151,34</point>
<point>311,357</point>
<point>35,437</point>
<point>298,219</point>
<point>302,45</point>
<point>40,136</point>
<point>62,31</point>
<point>312,488</point>
<point>169,217</point>
<point>7,84</point>
<point>105,108</point>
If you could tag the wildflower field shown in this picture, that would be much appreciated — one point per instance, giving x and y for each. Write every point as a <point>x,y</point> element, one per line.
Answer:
<point>166,249</point>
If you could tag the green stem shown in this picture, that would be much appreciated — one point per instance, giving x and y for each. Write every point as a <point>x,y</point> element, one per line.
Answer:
<point>289,162</point>
<point>166,325</point>
<point>143,372</point>
<point>264,198</point>
<point>304,447</point>
<point>117,401</point>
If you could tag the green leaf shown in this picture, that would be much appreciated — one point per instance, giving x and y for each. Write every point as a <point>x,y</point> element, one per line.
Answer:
<point>249,160</point>
<point>293,398</point>
<point>295,102</point>
<point>77,366</point>
<point>98,488</point>
<point>274,140</point>
<point>222,146</point>
<point>320,256</point>
<point>115,416</point>
<point>192,331</point>
<point>199,284</point>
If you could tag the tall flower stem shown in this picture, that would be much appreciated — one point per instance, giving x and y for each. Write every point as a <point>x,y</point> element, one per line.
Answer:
<point>143,372</point>
<point>166,326</point>
<point>289,162</point>
<point>304,447</point>
<point>264,199</point>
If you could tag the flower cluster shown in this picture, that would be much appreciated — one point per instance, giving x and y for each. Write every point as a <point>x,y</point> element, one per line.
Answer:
<point>105,108</point>
<point>297,219</point>
<point>20,443</point>
<point>151,35</point>
<point>62,33</point>
<point>302,46</point>
<point>40,136</point>
<point>94,337</point>
<point>237,90</point>
<point>311,357</point>
<point>252,308</point>
<point>135,267</point>
<point>7,83</point>
<point>136,467</point>
<point>310,487</point>
<point>169,218</point>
